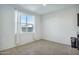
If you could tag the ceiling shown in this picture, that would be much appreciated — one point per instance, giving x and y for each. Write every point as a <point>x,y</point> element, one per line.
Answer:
<point>41,9</point>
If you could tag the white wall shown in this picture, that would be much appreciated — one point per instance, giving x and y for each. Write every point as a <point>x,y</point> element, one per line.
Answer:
<point>37,34</point>
<point>7,29</point>
<point>59,26</point>
<point>0,29</point>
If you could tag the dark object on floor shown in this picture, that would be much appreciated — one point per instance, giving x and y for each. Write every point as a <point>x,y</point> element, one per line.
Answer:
<point>78,43</point>
<point>73,42</point>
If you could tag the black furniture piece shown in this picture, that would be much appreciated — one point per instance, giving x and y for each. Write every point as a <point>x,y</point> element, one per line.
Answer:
<point>73,42</point>
<point>78,19</point>
<point>78,41</point>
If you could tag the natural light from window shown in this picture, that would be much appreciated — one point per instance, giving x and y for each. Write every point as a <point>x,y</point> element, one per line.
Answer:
<point>27,23</point>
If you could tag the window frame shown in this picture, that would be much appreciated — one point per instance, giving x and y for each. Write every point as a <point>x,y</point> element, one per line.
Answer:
<point>23,14</point>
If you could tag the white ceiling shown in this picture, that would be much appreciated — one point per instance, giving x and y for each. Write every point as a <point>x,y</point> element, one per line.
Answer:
<point>40,9</point>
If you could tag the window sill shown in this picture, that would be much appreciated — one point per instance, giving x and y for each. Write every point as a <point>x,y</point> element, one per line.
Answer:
<point>26,32</point>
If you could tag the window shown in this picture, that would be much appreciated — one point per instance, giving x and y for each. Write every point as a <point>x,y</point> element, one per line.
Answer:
<point>27,23</point>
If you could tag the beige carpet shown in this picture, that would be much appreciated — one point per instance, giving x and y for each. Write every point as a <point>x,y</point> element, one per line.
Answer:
<point>41,47</point>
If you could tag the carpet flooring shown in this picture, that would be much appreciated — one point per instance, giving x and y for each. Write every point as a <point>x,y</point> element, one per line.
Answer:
<point>41,47</point>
